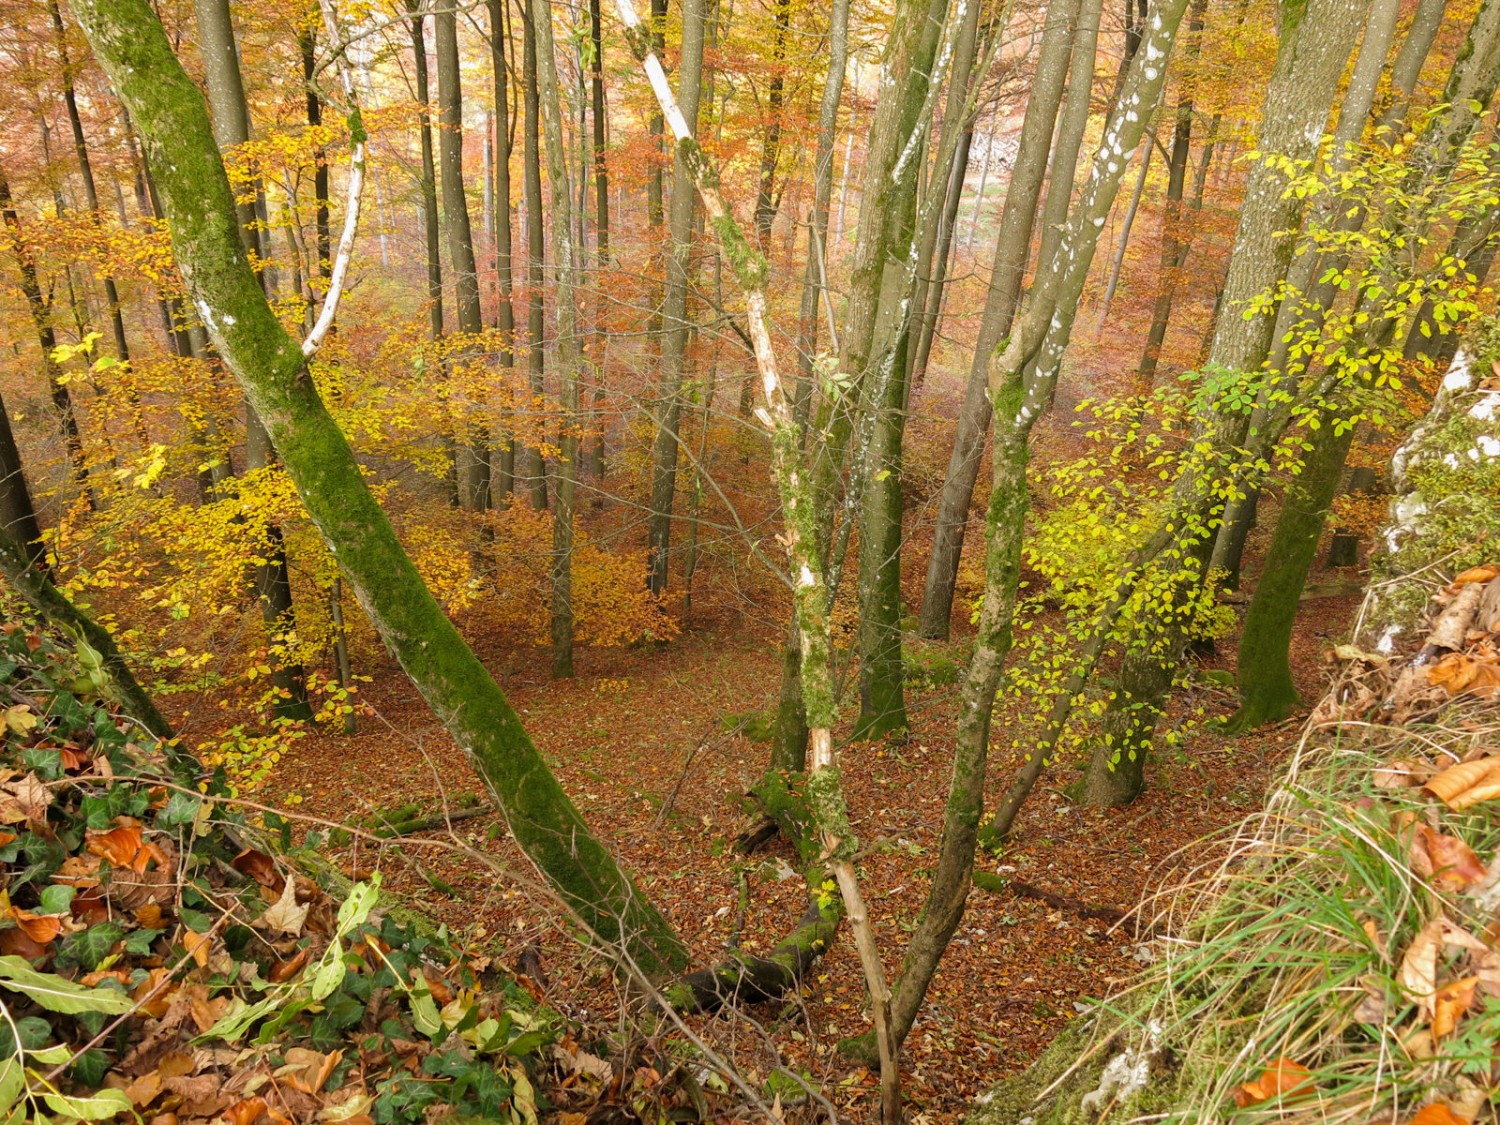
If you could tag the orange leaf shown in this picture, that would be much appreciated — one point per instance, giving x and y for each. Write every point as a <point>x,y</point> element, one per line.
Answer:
<point>40,928</point>
<point>286,970</point>
<point>197,945</point>
<point>15,943</point>
<point>1437,1114</point>
<point>1450,1003</point>
<point>1466,784</point>
<point>149,916</point>
<point>123,846</point>
<point>89,905</point>
<point>246,1112</point>
<point>1282,1079</point>
<point>1461,674</point>
<point>1476,574</point>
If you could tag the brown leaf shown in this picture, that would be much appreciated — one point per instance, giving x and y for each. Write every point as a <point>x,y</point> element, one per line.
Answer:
<point>24,799</point>
<point>1466,784</point>
<point>124,846</point>
<point>308,1070</point>
<point>144,1090</point>
<point>1402,774</point>
<point>150,916</point>
<point>260,867</point>
<point>197,946</point>
<point>1418,972</point>
<point>1446,860</point>
<point>285,916</point>
<point>89,906</point>
<point>1450,1003</point>
<point>15,943</point>
<point>78,871</point>
<point>1282,1079</point>
<point>159,1000</point>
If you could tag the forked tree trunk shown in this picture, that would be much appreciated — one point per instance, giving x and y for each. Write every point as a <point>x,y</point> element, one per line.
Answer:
<point>1012,250</point>
<point>130,43</point>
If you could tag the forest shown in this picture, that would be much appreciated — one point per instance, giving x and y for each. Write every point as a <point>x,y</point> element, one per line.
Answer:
<point>654,561</point>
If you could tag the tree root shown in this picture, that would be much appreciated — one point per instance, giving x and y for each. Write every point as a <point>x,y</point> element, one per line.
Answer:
<point>745,978</point>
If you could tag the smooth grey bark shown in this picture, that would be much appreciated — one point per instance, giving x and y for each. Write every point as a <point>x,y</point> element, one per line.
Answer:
<point>231,123</point>
<point>1310,296</point>
<point>564,286</point>
<point>1012,250</point>
<point>875,344</point>
<point>594,459</point>
<point>473,439</point>
<point>1127,223</point>
<point>766,196</point>
<point>1174,240</point>
<point>428,180</point>
<point>533,476</point>
<point>676,328</point>
<point>502,476</point>
<point>1071,127</point>
<point>1023,378</point>
<point>131,44</point>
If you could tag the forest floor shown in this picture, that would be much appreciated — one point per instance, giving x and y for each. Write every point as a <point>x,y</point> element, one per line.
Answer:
<point>639,740</point>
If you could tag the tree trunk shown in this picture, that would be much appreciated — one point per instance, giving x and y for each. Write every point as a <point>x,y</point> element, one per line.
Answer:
<point>473,439</point>
<point>428,184</point>
<point>594,458</point>
<point>534,476</point>
<point>1070,130</point>
<point>40,309</point>
<point>564,287</point>
<point>1311,60</point>
<point>1267,691</point>
<point>676,327</point>
<point>1012,250</point>
<point>770,153</point>
<point>1174,242</point>
<point>231,124</point>
<point>131,44</point>
<point>502,477</point>
<point>18,520</point>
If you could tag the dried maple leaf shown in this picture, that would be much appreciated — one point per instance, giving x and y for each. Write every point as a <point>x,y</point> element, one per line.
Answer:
<point>1465,784</point>
<point>1282,1079</point>
<point>1450,1003</point>
<point>1446,860</point>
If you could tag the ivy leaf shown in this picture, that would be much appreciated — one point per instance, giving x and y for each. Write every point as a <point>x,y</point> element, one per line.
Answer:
<point>88,947</point>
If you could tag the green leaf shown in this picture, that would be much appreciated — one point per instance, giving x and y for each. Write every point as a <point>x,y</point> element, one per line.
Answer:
<point>138,943</point>
<point>57,898</point>
<point>87,948</point>
<point>58,995</point>
<point>12,1083</point>
<point>100,1106</point>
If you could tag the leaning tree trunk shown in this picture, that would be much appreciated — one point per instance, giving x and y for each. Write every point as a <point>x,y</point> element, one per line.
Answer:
<point>132,45</point>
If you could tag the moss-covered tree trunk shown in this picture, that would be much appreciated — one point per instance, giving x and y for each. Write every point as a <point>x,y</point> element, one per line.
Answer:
<point>1267,692</point>
<point>130,43</point>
